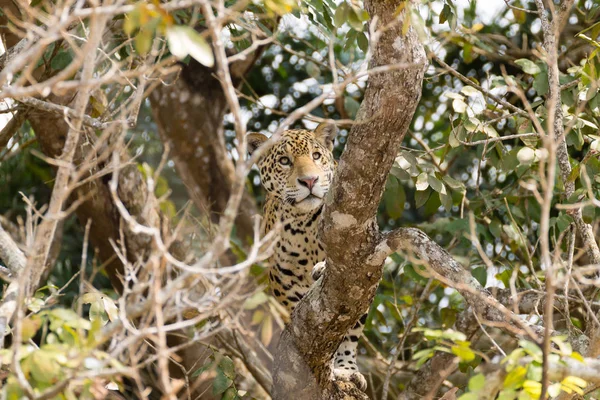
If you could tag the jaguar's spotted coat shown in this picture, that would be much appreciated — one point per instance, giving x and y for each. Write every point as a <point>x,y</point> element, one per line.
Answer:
<point>296,173</point>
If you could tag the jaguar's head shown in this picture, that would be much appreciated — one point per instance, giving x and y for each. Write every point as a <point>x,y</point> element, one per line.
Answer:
<point>298,168</point>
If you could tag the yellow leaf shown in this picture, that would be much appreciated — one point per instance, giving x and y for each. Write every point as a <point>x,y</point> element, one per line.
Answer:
<point>257,317</point>
<point>399,9</point>
<point>533,388</point>
<point>515,377</point>
<point>30,326</point>
<point>266,332</point>
<point>464,353</point>
<point>477,27</point>
<point>574,383</point>
<point>577,356</point>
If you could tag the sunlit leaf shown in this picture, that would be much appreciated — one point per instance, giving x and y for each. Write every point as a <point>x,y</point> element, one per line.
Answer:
<point>477,382</point>
<point>422,181</point>
<point>255,300</point>
<point>184,41</point>
<point>528,66</point>
<point>463,352</point>
<point>459,105</point>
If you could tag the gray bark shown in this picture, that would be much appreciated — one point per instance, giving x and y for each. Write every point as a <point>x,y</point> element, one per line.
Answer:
<point>348,230</point>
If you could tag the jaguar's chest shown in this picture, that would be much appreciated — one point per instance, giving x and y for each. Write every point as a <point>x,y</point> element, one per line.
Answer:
<point>296,253</point>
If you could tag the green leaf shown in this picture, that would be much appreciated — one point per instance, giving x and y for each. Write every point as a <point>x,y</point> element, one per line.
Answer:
<point>394,198</point>
<point>563,222</point>
<point>532,349</point>
<point>97,313</point>
<point>504,277</point>
<point>436,184</point>
<point>227,366</point>
<point>480,273</point>
<point>589,214</point>
<point>44,366</point>
<point>35,304</point>
<point>30,326</point>
<point>363,15</point>
<point>221,382</point>
<point>412,274</point>
<point>61,60</point>
<point>421,197</point>
<point>351,106</point>
<point>448,317</point>
<point>477,383</point>
<point>455,336</point>
<point>363,42</point>
<point>528,66</point>
<point>203,368</point>
<point>399,173</point>
<point>143,41</point>
<point>132,21</point>
<point>534,372</point>
<point>341,14</point>
<point>444,14</point>
<point>496,228</point>
<point>422,356</point>
<point>230,394</point>
<point>453,137</point>
<point>446,201</point>
<point>453,183</point>
<point>540,83</point>
<point>354,19</point>
<point>313,70</point>
<point>472,124</point>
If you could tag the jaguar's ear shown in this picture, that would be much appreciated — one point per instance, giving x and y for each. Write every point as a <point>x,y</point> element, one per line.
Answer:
<point>255,140</point>
<point>326,133</point>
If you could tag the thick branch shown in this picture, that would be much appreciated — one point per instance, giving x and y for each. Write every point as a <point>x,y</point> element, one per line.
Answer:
<point>15,260</point>
<point>10,253</point>
<point>12,127</point>
<point>450,272</point>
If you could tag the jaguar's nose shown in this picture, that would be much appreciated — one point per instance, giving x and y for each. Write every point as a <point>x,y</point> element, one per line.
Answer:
<point>308,181</point>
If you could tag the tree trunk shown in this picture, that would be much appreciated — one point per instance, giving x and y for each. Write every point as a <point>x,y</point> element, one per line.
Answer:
<point>189,113</point>
<point>349,229</point>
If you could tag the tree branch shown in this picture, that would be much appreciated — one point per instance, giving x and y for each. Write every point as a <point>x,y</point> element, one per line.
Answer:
<point>45,232</point>
<point>10,253</point>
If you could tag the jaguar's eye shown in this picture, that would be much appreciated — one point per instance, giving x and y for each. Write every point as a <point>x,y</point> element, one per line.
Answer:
<point>284,161</point>
<point>316,155</point>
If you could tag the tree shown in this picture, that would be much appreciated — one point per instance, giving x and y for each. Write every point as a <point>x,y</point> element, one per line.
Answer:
<point>464,205</point>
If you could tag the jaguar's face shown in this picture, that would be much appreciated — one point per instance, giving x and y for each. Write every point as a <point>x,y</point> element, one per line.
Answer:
<point>299,168</point>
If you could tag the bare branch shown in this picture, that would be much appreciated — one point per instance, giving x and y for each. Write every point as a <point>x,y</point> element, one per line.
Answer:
<point>45,232</point>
